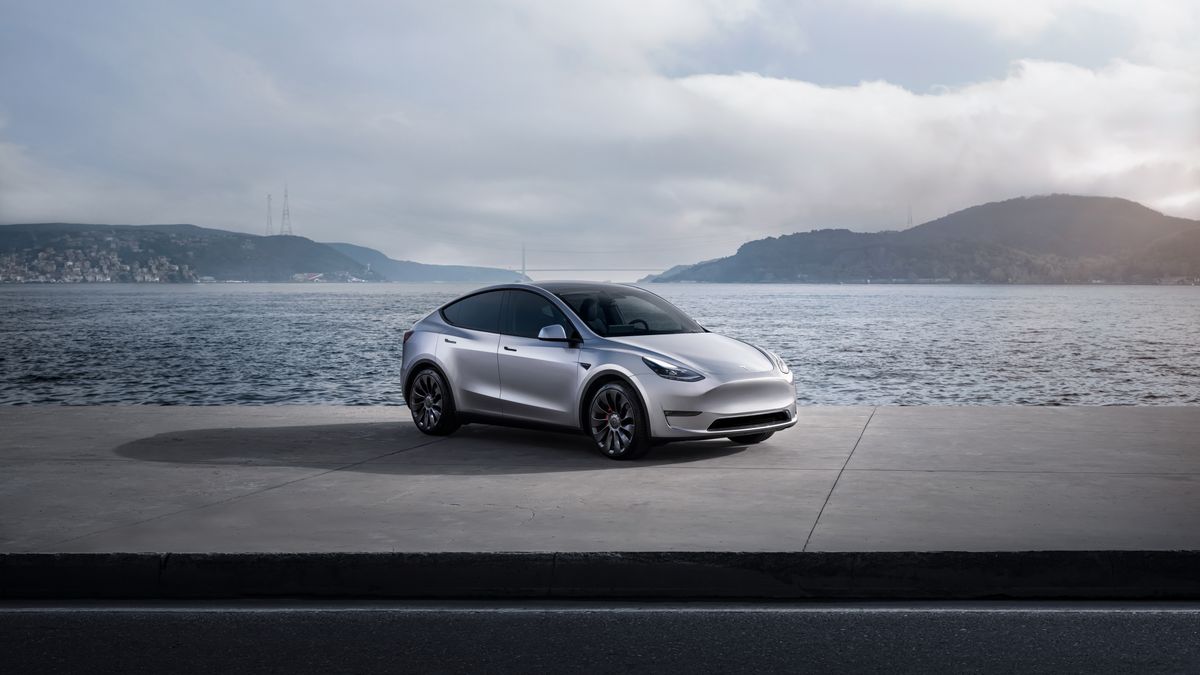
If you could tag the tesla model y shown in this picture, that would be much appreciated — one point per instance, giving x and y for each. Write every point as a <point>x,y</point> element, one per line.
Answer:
<point>615,361</point>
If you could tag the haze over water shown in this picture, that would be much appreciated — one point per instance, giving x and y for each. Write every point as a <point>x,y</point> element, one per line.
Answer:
<point>859,345</point>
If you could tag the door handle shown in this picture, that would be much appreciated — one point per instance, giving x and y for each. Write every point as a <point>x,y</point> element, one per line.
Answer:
<point>453,342</point>
<point>509,349</point>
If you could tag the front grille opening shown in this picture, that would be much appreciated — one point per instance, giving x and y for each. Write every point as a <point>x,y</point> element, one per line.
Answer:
<point>749,421</point>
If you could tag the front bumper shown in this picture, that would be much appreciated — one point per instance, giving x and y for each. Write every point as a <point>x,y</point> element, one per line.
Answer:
<point>707,409</point>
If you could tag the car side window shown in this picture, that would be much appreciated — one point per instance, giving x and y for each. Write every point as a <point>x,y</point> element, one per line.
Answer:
<point>528,313</point>
<point>477,312</point>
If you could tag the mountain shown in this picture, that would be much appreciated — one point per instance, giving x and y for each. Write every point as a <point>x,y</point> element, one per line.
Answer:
<point>169,253</point>
<point>1046,239</point>
<point>1175,256</point>
<point>406,270</point>
<point>77,252</point>
<point>1062,225</point>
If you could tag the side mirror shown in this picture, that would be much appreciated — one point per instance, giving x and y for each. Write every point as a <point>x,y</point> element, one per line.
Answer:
<point>553,333</point>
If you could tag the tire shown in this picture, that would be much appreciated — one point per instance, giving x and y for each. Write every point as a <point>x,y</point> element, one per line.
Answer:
<point>617,423</point>
<point>431,403</point>
<point>751,439</point>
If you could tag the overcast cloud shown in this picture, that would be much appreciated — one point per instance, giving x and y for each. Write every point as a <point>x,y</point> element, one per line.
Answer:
<point>628,134</point>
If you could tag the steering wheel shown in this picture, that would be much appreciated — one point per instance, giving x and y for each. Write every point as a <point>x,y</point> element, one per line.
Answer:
<point>645,326</point>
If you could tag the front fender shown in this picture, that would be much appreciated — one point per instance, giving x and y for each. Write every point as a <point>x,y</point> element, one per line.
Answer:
<point>611,371</point>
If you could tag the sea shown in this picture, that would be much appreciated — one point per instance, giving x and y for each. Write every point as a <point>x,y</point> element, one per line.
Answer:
<point>208,344</point>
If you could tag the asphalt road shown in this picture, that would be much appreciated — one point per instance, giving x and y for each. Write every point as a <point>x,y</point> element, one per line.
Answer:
<point>588,637</point>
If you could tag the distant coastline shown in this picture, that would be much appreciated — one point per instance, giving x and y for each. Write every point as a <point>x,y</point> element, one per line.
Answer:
<point>1052,239</point>
<point>59,253</point>
<point>1180,281</point>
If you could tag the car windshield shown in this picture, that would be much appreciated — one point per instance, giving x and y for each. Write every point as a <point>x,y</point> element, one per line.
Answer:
<point>616,312</point>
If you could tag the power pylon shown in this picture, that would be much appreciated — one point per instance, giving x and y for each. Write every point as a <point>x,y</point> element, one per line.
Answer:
<point>270,216</point>
<point>285,221</point>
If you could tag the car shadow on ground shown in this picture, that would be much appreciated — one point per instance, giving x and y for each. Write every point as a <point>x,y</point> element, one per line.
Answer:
<point>398,448</point>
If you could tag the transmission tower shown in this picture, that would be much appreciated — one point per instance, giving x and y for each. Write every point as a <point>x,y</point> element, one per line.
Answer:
<point>285,221</point>
<point>270,217</point>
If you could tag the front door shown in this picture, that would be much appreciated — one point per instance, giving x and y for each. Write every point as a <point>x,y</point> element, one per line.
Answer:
<point>538,379</point>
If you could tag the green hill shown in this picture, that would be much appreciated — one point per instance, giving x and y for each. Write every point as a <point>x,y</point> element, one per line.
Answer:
<point>1062,225</point>
<point>1049,239</point>
<point>171,253</point>
<point>183,253</point>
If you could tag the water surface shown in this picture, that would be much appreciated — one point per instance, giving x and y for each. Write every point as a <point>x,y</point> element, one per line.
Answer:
<point>872,345</point>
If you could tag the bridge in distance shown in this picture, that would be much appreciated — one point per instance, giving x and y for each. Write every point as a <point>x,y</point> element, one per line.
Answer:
<point>590,269</point>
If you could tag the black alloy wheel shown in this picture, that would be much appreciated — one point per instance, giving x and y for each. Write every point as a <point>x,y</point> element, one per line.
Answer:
<point>617,423</point>
<point>431,405</point>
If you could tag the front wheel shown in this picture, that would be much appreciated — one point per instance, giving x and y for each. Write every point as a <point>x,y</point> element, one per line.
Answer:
<point>617,423</point>
<point>431,404</point>
<point>751,439</point>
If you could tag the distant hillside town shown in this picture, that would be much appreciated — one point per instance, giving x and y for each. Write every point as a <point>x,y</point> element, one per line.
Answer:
<point>89,264</point>
<point>84,253</point>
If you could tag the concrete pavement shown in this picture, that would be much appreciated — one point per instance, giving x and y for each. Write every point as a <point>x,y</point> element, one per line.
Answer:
<point>301,478</point>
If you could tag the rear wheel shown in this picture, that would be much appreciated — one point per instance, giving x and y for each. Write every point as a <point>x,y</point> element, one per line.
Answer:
<point>431,404</point>
<point>617,423</point>
<point>751,439</point>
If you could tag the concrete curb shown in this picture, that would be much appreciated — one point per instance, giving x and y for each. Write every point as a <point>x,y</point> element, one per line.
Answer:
<point>945,575</point>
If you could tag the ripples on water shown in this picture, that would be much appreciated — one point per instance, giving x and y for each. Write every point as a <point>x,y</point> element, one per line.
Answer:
<point>876,345</point>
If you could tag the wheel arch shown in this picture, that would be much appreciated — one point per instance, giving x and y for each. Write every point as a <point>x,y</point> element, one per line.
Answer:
<point>421,364</point>
<point>599,380</point>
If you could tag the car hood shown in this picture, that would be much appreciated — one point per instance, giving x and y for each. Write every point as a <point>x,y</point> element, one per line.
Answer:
<point>706,352</point>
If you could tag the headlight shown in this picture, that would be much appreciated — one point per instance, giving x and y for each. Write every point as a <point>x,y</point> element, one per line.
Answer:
<point>671,371</point>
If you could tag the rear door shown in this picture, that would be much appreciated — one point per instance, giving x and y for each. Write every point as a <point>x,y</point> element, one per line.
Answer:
<point>538,380</point>
<point>467,349</point>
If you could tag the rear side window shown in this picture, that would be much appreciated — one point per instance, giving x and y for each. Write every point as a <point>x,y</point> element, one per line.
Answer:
<point>528,313</point>
<point>477,312</point>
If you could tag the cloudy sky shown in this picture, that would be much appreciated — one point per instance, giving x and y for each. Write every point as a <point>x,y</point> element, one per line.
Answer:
<point>639,133</point>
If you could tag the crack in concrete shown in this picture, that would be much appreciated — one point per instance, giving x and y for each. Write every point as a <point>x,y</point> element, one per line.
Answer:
<point>838,478</point>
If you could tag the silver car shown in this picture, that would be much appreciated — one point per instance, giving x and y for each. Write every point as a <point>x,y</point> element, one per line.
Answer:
<point>615,361</point>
